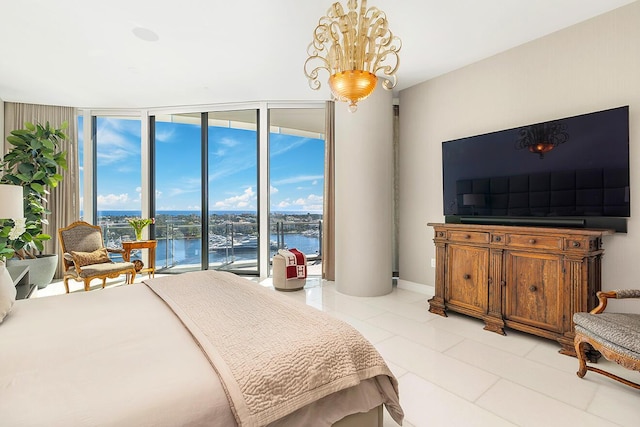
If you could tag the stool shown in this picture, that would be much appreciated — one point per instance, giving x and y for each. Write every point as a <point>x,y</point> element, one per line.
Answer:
<point>279,274</point>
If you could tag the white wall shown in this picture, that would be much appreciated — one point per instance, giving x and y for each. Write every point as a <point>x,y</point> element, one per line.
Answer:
<point>591,66</point>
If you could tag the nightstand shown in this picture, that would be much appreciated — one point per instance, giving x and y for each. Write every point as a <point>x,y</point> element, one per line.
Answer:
<point>20,276</point>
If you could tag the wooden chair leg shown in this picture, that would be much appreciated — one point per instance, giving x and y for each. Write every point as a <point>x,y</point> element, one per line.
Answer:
<point>104,282</point>
<point>86,284</point>
<point>66,284</point>
<point>581,349</point>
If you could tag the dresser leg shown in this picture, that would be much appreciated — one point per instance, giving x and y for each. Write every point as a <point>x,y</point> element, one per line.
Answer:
<point>497,327</point>
<point>436,306</point>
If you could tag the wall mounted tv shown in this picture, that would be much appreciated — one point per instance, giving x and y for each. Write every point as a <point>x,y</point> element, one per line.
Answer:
<point>570,172</point>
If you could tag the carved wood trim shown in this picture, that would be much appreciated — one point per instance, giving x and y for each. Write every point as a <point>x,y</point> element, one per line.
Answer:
<point>582,345</point>
<point>576,253</point>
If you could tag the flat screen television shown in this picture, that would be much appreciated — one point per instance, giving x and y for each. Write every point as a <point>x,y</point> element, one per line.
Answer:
<point>569,172</point>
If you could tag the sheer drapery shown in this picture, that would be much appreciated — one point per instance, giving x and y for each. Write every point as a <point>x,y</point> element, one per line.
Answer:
<point>328,229</point>
<point>64,199</point>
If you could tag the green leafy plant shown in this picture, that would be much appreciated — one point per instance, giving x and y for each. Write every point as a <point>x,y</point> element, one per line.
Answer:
<point>34,162</point>
<point>139,224</point>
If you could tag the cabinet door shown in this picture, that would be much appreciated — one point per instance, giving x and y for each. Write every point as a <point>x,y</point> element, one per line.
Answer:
<point>533,293</point>
<point>467,277</point>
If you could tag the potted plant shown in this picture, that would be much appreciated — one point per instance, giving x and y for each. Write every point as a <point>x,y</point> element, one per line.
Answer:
<point>34,162</point>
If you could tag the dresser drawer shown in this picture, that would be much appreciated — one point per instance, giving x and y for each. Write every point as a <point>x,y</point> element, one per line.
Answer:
<point>580,244</point>
<point>533,241</point>
<point>468,236</point>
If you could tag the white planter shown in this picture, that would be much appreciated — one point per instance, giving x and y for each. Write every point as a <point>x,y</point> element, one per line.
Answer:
<point>42,269</point>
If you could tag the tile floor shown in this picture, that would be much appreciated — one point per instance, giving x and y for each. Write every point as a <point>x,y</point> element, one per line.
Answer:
<point>453,373</point>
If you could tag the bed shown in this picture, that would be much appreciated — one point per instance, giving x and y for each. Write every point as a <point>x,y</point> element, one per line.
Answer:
<point>200,348</point>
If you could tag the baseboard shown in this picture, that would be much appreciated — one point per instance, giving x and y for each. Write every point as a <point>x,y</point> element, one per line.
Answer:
<point>416,287</point>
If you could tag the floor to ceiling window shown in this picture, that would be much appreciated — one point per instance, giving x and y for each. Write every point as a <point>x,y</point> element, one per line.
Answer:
<point>233,190</point>
<point>296,173</point>
<point>117,177</point>
<point>178,191</point>
<point>227,187</point>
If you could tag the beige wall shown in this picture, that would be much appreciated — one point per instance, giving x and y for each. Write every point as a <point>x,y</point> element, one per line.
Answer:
<point>591,66</point>
<point>363,196</point>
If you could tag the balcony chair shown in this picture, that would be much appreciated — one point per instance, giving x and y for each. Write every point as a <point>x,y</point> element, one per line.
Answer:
<point>85,257</point>
<point>614,335</point>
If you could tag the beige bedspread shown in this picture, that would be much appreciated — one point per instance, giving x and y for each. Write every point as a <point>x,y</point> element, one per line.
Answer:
<point>110,358</point>
<point>273,355</point>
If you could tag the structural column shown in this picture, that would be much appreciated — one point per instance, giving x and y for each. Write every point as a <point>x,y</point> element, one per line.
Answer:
<point>363,196</point>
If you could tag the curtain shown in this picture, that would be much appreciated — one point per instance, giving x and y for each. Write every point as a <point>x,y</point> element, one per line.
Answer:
<point>63,201</point>
<point>328,230</point>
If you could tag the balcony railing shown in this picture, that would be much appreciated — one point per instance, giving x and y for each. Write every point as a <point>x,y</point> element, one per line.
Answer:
<point>229,242</point>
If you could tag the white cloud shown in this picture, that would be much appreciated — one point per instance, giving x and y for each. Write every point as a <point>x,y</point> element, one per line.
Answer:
<point>312,202</point>
<point>178,191</point>
<point>187,185</point>
<point>114,139</point>
<point>297,179</point>
<point>229,142</point>
<point>111,155</point>
<point>283,148</point>
<point>273,190</point>
<point>165,135</point>
<point>114,201</point>
<point>241,201</point>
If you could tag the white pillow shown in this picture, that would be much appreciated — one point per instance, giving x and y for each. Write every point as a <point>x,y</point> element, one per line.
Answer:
<point>7,292</point>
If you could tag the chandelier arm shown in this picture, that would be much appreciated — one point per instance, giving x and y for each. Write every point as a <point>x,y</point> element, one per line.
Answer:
<point>312,73</point>
<point>336,54</point>
<point>388,68</point>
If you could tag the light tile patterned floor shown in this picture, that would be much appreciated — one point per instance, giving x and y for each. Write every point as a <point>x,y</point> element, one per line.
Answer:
<point>454,373</point>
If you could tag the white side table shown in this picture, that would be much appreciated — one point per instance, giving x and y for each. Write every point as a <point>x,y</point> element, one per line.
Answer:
<point>20,276</point>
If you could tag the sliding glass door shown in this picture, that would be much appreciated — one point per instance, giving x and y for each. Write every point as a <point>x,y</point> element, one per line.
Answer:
<point>296,172</point>
<point>233,190</point>
<point>230,187</point>
<point>178,192</point>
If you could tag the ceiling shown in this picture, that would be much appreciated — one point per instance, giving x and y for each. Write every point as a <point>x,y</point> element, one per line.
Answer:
<point>85,53</point>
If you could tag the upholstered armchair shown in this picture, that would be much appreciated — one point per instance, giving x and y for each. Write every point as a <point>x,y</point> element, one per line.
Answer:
<point>614,335</point>
<point>85,257</point>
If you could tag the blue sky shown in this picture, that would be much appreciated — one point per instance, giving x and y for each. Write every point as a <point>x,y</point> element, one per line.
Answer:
<point>296,168</point>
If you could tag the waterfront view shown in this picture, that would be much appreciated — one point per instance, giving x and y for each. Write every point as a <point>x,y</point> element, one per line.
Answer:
<point>234,186</point>
<point>232,242</point>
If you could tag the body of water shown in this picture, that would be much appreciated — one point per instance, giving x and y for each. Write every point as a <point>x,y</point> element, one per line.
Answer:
<point>188,251</point>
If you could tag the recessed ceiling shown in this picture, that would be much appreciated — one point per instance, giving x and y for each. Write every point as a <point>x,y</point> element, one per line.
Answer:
<point>137,54</point>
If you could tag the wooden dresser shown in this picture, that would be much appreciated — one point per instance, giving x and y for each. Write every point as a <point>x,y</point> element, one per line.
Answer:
<point>527,278</point>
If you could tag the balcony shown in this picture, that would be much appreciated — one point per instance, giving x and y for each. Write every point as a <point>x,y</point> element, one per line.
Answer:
<point>232,244</point>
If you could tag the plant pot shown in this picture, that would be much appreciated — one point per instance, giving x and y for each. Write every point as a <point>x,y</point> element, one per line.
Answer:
<point>41,269</point>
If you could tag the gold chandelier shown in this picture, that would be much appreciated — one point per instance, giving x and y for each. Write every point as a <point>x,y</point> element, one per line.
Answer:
<point>353,47</point>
